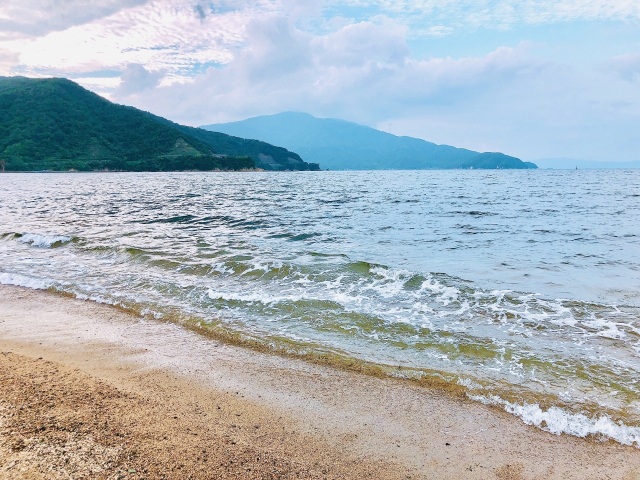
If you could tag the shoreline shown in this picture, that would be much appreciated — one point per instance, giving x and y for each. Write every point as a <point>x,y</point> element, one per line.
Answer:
<point>361,425</point>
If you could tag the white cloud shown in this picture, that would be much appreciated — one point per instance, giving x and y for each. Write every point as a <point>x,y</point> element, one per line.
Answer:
<point>136,78</point>
<point>503,13</point>
<point>177,36</point>
<point>99,84</point>
<point>569,10</point>
<point>362,72</point>
<point>382,41</point>
<point>29,18</point>
<point>8,59</point>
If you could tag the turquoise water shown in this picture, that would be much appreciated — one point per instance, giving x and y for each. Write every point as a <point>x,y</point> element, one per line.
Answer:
<point>523,287</point>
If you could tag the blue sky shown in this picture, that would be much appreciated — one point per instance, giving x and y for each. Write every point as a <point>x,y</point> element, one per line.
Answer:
<point>532,78</point>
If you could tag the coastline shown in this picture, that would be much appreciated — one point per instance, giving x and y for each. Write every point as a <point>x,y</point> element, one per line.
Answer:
<point>312,421</point>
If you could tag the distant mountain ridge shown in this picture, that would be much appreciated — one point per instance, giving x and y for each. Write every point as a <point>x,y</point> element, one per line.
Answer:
<point>341,145</point>
<point>55,124</point>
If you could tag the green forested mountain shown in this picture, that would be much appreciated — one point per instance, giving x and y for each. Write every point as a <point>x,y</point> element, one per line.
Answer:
<point>55,124</point>
<point>341,145</point>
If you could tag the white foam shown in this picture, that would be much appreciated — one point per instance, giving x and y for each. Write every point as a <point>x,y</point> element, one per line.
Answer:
<point>557,421</point>
<point>20,280</point>
<point>44,240</point>
<point>444,294</point>
<point>468,383</point>
<point>252,297</point>
<point>605,328</point>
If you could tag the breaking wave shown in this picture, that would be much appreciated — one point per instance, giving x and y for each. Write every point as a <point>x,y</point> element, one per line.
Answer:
<point>40,240</point>
<point>558,421</point>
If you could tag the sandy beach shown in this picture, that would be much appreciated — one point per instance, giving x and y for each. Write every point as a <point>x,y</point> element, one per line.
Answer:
<point>87,391</point>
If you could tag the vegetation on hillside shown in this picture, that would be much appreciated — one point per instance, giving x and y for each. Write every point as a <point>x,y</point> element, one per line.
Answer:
<point>55,124</point>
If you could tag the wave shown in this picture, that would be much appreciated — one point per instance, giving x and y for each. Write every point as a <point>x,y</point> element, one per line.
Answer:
<point>553,419</point>
<point>20,280</point>
<point>296,237</point>
<point>558,421</point>
<point>473,213</point>
<point>176,219</point>
<point>413,322</point>
<point>443,302</point>
<point>40,240</point>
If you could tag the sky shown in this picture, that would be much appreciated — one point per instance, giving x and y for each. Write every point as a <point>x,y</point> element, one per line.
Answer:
<point>537,79</point>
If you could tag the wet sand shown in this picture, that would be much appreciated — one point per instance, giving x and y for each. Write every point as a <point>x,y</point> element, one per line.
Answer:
<point>87,391</point>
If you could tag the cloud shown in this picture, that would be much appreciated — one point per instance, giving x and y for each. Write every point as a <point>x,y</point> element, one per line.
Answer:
<point>381,41</point>
<point>272,49</point>
<point>500,13</point>
<point>181,37</point>
<point>7,60</point>
<point>136,79</point>
<point>185,37</point>
<point>362,72</point>
<point>33,18</point>
<point>536,11</point>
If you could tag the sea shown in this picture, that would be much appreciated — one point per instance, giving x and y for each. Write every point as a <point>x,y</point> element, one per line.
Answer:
<point>518,288</point>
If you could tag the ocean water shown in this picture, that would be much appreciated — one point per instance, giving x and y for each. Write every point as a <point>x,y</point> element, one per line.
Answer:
<point>520,287</point>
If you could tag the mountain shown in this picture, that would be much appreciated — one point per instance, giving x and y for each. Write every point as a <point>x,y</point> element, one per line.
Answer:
<point>340,145</point>
<point>55,124</point>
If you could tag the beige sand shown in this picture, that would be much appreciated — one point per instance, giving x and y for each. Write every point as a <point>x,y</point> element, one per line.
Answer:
<point>91,392</point>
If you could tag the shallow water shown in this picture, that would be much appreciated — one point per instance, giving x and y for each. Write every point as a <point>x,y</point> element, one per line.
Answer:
<point>521,286</point>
